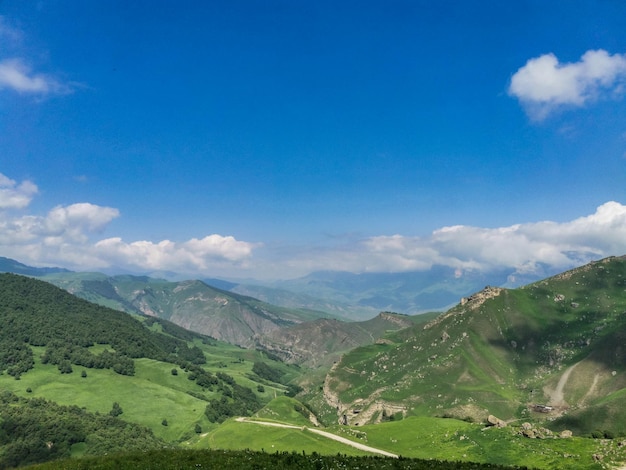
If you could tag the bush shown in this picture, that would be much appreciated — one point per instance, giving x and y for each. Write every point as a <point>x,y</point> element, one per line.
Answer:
<point>116,410</point>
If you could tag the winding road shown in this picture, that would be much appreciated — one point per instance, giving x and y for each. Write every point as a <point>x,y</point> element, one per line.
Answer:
<point>325,434</point>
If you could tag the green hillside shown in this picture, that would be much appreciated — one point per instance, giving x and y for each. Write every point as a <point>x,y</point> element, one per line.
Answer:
<point>145,371</point>
<point>558,342</point>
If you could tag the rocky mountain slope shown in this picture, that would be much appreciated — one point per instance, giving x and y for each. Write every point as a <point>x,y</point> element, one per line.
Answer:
<point>320,342</point>
<point>550,351</point>
<point>192,305</point>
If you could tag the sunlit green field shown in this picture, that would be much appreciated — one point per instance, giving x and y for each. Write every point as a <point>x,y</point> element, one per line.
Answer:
<point>149,397</point>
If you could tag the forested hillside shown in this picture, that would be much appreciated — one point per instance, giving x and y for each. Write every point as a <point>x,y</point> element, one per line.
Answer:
<point>35,313</point>
<point>101,363</point>
<point>37,430</point>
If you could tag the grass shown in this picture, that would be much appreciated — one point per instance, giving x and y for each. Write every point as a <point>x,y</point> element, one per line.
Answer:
<point>232,435</point>
<point>153,394</point>
<point>424,438</point>
<point>284,410</point>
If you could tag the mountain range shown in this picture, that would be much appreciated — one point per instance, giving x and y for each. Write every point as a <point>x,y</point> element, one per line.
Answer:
<point>545,360</point>
<point>361,296</point>
<point>295,333</point>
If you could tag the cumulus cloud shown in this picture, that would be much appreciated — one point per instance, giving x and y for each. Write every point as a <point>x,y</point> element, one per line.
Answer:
<point>195,255</point>
<point>67,236</point>
<point>544,84</point>
<point>71,236</point>
<point>61,226</point>
<point>15,196</point>
<point>523,248</point>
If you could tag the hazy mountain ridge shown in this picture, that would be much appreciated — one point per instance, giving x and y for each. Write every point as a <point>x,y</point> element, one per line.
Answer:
<point>8,265</point>
<point>190,304</point>
<point>290,299</point>
<point>355,296</point>
<point>438,288</point>
<point>233,317</point>
<point>557,342</point>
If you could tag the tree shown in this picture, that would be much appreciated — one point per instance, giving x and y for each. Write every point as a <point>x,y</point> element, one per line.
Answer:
<point>198,429</point>
<point>116,410</point>
<point>174,371</point>
<point>164,422</point>
<point>65,367</point>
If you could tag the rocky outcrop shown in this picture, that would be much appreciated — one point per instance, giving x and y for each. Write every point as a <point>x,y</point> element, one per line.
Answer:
<point>476,300</point>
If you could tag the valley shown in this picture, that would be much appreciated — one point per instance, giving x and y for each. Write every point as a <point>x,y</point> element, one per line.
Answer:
<point>533,376</point>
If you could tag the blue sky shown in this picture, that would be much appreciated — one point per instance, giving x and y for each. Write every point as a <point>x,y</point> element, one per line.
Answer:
<point>269,139</point>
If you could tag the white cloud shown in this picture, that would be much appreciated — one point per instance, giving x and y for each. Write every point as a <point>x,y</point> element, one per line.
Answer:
<point>63,225</point>
<point>522,248</point>
<point>71,236</point>
<point>16,76</point>
<point>15,73</point>
<point>195,256</point>
<point>544,84</point>
<point>67,236</point>
<point>14,196</point>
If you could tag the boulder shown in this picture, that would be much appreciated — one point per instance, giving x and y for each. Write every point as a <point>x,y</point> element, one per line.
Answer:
<point>497,422</point>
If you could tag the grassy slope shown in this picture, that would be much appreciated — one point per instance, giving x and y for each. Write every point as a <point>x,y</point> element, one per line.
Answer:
<point>416,437</point>
<point>150,396</point>
<point>506,353</point>
<point>425,438</point>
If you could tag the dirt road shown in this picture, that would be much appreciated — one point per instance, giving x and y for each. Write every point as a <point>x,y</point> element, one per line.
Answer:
<point>325,434</point>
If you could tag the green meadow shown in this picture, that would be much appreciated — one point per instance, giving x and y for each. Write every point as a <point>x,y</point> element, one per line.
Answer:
<point>426,438</point>
<point>150,397</point>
